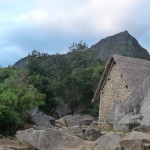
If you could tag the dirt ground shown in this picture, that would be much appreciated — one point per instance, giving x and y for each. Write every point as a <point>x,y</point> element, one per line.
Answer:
<point>10,143</point>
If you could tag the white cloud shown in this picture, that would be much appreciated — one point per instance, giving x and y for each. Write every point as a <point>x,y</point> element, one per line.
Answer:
<point>55,24</point>
<point>99,16</point>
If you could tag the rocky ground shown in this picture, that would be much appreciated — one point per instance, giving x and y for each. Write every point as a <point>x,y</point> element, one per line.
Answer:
<point>74,132</point>
<point>10,144</point>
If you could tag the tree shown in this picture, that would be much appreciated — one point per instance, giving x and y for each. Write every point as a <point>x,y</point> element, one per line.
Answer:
<point>16,99</point>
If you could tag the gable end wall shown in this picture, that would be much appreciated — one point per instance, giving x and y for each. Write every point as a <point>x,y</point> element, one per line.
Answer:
<point>115,90</point>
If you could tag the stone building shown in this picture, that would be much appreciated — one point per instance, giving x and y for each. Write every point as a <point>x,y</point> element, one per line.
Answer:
<point>122,90</point>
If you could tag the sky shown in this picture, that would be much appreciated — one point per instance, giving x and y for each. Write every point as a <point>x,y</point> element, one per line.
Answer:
<point>51,26</point>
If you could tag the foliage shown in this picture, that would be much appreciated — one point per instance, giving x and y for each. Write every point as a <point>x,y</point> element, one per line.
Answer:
<point>16,98</point>
<point>66,79</point>
<point>49,81</point>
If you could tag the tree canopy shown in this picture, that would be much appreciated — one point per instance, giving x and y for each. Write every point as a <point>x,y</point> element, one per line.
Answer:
<point>48,82</point>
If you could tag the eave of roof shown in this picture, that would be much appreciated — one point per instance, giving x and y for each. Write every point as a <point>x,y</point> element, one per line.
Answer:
<point>103,79</point>
<point>133,70</point>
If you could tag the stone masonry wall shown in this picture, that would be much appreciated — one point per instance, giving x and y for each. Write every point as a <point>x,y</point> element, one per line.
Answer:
<point>115,90</point>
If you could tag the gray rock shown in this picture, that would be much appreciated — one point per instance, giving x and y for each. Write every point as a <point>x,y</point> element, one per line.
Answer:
<point>84,132</point>
<point>83,147</point>
<point>3,148</point>
<point>41,120</point>
<point>12,147</point>
<point>76,120</point>
<point>77,131</point>
<point>123,44</point>
<point>131,145</point>
<point>48,139</point>
<point>92,134</point>
<point>123,126</point>
<point>135,110</point>
<point>135,141</point>
<point>144,129</point>
<point>61,112</point>
<point>93,125</point>
<point>108,142</point>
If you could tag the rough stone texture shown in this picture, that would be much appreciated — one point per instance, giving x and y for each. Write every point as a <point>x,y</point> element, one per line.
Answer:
<point>135,141</point>
<point>115,90</point>
<point>77,131</point>
<point>49,139</point>
<point>123,44</point>
<point>93,125</point>
<point>108,142</point>
<point>83,147</point>
<point>41,120</point>
<point>61,112</point>
<point>135,135</point>
<point>3,148</point>
<point>76,120</point>
<point>131,145</point>
<point>85,132</point>
<point>135,109</point>
<point>92,134</point>
<point>11,147</point>
<point>145,129</point>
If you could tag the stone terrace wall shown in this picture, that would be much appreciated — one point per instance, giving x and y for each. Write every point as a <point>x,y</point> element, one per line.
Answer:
<point>115,90</point>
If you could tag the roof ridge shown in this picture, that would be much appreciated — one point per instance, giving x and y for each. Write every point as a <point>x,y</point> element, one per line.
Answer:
<point>134,71</point>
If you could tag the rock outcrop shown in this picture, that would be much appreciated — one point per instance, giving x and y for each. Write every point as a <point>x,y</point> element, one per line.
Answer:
<point>61,112</point>
<point>135,141</point>
<point>85,132</point>
<point>134,111</point>
<point>108,142</point>
<point>122,44</point>
<point>76,120</point>
<point>49,139</point>
<point>41,120</point>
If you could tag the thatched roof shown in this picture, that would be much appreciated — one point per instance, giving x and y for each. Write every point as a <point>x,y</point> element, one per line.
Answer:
<point>133,70</point>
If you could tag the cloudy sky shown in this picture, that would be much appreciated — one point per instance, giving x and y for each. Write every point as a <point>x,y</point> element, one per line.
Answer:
<point>53,25</point>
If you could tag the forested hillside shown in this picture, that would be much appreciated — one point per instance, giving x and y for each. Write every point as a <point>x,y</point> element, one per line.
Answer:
<point>48,82</point>
<point>53,81</point>
<point>121,43</point>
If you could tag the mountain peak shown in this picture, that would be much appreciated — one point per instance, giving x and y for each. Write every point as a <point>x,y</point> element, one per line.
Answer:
<point>124,32</point>
<point>122,44</point>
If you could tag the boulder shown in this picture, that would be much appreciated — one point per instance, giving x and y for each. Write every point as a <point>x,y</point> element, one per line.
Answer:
<point>3,148</point>
<point>135,141</point>
<point>41,120</point>
<point>109,141</point>
<point>145,129</point>
<point>131,145</point>
<point>92,134</point>
<point>49,139</point>
<point>135,135</point>
<point>93,125</point>
<point>77,131</point>
<point>61,112</point>
<point>83,147</point>
<point>85,132</point>
<point>133,111</point>
<point>76,120</point>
